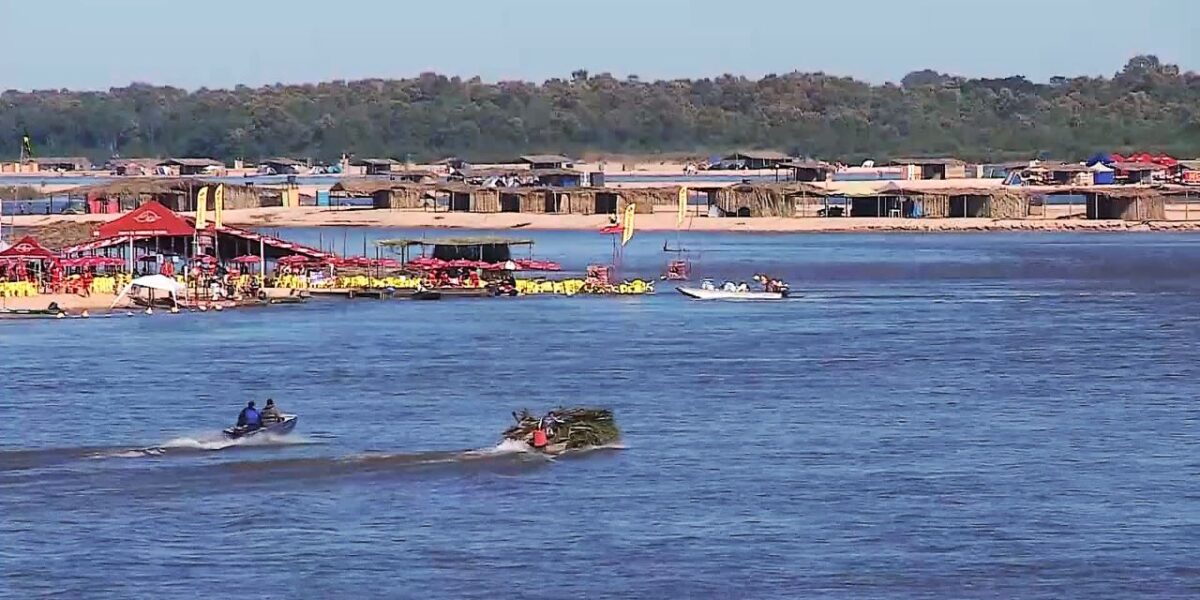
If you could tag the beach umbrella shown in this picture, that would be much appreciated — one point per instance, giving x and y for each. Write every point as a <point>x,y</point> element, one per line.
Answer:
<point>245,259</point>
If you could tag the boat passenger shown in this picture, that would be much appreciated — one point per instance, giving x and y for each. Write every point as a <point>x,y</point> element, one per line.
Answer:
<point>548,423</point>
<point>729,287</point>
<point>743,287</point>
<point>707,284</point>
<point>249,417</point>
<point>270,413</point>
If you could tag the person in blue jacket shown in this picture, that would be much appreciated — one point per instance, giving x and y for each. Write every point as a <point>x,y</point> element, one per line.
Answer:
<point>249,418</point>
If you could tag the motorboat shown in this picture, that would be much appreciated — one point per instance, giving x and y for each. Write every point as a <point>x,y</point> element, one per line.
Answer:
<point>283,426</point>
<point>720,294</point>
<point>426,295</point>
<point>51,312</point>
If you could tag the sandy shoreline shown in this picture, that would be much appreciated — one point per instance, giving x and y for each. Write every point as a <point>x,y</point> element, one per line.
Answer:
<point>659,221</point>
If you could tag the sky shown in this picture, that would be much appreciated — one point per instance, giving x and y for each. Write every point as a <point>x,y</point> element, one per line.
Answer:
<point>97,44</point>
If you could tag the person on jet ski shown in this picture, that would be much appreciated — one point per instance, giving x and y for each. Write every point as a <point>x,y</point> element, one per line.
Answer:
<point>249,419</point>
<point>270,413</point>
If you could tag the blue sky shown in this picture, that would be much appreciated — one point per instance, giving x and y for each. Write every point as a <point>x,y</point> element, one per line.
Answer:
<point>95,44</point>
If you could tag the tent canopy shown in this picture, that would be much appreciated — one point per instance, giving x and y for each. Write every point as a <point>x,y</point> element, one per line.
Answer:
<point>28,248</point>
<point>158,282</point>
<point>149,219</point>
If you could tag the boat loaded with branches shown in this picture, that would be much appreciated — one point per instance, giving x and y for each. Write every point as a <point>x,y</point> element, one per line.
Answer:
<point>572,429</point>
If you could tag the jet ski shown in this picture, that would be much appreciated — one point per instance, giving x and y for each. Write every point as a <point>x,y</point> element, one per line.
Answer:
<point>282,427</point>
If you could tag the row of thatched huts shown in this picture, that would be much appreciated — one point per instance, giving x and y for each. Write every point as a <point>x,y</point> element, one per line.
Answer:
<point>180,195</point>
<point>790,199</point>
<point>468,198</point>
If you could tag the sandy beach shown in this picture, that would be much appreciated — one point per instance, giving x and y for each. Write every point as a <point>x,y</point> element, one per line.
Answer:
<point>663,220</point>
<point>72,303</point>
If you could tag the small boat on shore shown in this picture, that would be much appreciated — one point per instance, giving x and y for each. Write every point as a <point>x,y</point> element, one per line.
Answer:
<point>719,294</point>
<point>282,427</point>
<point>51,312</point>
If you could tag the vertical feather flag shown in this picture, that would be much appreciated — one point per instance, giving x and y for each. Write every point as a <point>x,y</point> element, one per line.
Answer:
<point>202,208</point>
<point>628,224</point>
<point>683,204</point>
<point>218,204</point>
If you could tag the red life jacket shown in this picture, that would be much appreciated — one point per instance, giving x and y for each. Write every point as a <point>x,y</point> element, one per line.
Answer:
<point>539,438</point>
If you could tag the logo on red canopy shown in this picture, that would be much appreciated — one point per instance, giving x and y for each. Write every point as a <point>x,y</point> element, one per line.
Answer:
<point>147,217</point>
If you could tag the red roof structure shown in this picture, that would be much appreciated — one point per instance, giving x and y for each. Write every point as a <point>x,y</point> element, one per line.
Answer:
<point>28,248</point>
<point>153,220</point>
<point>149,219</point>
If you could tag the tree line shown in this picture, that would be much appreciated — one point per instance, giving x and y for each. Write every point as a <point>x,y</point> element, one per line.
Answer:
<point>1148,105</point>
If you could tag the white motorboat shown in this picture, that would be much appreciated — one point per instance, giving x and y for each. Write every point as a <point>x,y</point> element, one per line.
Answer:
<point>719,294</point>
<point>283,426</point>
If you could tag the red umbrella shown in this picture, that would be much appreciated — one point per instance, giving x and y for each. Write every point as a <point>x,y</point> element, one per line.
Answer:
<point>425,262</point>
<point>245,259</point>
<point>613,230</point>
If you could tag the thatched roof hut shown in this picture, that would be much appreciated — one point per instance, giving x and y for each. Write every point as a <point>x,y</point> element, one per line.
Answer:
<point>179,195</point>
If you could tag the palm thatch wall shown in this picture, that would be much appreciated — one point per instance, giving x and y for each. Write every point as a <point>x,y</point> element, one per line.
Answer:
<point>748,200</point>
<point>176,194</point>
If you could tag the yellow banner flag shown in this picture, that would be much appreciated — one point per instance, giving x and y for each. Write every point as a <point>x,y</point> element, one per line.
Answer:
<point>628,224</point>
<point>218,204</point>
<point>202,208</point>
<point>683,204</point>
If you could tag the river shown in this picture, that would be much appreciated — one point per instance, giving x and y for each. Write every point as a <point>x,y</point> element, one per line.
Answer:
<point>949,416</point>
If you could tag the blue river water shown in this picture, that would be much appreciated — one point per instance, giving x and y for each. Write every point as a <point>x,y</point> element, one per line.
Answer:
<point>934,416</point>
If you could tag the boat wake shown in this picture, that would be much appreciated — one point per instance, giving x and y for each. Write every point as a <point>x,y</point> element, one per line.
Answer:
<point>205,443</point>
<point>507,458</point>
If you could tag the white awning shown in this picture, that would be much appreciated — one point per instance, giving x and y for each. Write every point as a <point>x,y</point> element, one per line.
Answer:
<point>159,282</point>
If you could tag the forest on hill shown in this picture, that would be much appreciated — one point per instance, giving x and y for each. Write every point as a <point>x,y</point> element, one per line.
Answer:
<point>1147,105</point>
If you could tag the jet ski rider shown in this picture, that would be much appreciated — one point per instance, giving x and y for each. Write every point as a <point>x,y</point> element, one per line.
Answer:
<point>270,413</point>
<point>249,419</point>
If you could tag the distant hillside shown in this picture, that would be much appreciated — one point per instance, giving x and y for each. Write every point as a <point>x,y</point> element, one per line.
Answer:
<point>1148,105</point>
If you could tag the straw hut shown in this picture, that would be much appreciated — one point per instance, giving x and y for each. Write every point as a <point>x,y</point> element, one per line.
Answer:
<point>1127,204</point>
<point>545,161</point>
<point>123,195</point>
<point>62,163</point>
<point>809,170</point>
<point>191,166</point>
<point>756,159</point>
<point>753,200</point>
<point>931,168</point>
<point>956,202</point>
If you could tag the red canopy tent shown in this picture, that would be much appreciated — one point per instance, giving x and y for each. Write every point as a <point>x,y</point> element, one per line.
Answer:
<point>149,219</point>
<point>28,249</point>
